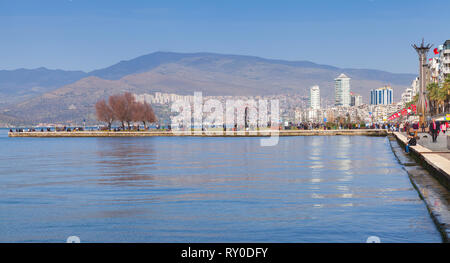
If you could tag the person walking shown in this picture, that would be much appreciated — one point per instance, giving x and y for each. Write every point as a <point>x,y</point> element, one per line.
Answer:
<point>434,128</point>
<point>423,127</point>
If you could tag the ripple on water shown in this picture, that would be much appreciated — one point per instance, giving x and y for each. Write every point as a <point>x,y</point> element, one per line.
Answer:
<point>305,189</point>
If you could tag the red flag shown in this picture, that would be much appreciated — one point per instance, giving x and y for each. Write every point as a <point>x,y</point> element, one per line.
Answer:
<point>436,51</point>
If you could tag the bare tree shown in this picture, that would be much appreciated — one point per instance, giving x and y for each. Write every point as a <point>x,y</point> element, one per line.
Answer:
<point>125,109</point>
<point>104,113</point>
<point>148,115</point>
<point>119,107</point>
<point>137,112</point>
<point>130,102</point>
<point>144,113</point>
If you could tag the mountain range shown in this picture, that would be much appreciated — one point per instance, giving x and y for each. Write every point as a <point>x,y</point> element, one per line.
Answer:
<point>31,96</point>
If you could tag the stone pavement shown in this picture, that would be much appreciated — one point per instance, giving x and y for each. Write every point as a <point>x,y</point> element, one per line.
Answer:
<point>439,146</point>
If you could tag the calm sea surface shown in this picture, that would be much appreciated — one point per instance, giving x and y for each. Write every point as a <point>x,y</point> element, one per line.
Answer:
<point>306,189</point>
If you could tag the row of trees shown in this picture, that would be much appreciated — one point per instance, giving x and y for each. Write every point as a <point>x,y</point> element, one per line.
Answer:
<point>439,96</point>
<point>125,109</point>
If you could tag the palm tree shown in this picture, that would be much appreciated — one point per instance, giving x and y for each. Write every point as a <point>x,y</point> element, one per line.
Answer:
<point>435,96</point>
<point>446,90</point>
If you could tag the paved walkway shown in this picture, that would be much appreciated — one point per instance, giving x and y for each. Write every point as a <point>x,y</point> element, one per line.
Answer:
<point>439,146</point>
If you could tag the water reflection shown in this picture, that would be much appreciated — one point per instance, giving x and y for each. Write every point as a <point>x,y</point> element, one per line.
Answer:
<point>126,161</point>
<point>305,189</point>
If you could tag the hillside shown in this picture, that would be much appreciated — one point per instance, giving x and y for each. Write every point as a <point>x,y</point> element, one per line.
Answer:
<point>213,74</point>
<point>21,84</point>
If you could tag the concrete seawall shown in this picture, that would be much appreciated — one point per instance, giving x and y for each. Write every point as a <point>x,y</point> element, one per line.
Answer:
<point>432,183</point>
<point>361,132</point>
<point>440,166</point>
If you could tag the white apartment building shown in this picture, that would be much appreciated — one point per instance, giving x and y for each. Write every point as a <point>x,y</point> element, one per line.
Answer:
<point>433,70</point>
<point>342,90</point>
<point>314,97</point>
<point>407,95</point>
<point>444,61</point>
<point>415,86</point>
<point>356,99</point>
<point>162,98</point>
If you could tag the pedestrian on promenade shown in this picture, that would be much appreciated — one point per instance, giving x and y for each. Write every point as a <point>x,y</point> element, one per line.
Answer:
<point>412,141</point>
<point>423,127</point>
<point>434,129</point>
<point>443,128</point>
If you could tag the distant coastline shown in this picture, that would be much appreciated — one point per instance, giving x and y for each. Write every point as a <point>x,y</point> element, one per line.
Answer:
<point>360,132</point>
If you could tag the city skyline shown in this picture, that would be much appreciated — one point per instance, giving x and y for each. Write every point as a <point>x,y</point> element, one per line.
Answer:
<point>218,131</point>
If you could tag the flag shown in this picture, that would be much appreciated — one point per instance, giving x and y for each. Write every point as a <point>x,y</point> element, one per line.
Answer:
<point>436,51</point>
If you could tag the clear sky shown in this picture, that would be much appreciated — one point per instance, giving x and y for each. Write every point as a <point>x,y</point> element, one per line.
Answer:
<point>90,34</point>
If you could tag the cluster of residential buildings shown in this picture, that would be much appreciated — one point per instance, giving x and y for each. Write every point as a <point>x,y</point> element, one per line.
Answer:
<point>346,105</point>
<point>438,68</point>
<point>436,71</point>
<point>298,108</point>
<point>381,99</point>
<point>163,98</point>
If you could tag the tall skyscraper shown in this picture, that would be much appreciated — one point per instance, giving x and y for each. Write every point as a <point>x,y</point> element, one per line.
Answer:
<point>342,90</point>
<point>382,96</point>
<point>314,97</point>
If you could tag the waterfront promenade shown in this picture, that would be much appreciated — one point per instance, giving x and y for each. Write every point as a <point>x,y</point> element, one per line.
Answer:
<point>361,132</point>
<point>439,147</point>
<point>435,155</point>
<point>432,184</point>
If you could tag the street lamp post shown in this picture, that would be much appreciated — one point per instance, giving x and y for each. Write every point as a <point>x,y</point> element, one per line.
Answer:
<point>422,51</point>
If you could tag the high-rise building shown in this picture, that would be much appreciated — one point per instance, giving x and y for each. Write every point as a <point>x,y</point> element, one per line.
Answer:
<point>342,90</point>
<point>314,97</point>
<point>355,99</point>
<point>381,96</point>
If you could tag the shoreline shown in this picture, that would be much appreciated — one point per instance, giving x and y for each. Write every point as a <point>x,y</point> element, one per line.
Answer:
<point>430,176</point>
<point>265,133</point>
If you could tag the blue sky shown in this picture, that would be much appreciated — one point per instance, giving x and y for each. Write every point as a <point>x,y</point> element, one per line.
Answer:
<point>90,34</point>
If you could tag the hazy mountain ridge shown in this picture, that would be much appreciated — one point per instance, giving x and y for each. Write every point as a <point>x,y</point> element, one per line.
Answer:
<point>213,74</point>
<point>21,84</point>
